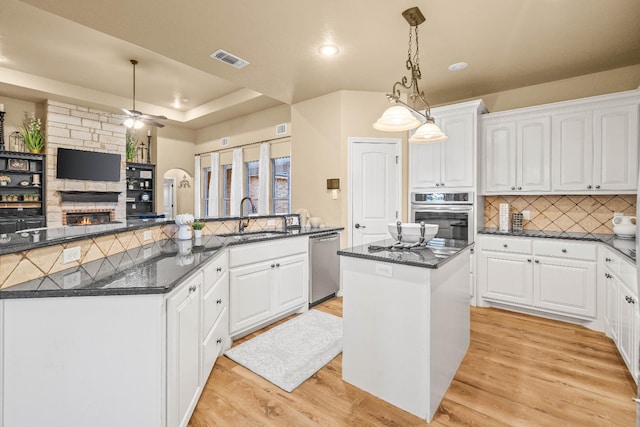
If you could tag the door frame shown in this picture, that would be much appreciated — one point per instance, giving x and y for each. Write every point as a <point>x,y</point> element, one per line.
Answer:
<point>352,140</point>
<point>174,195</point>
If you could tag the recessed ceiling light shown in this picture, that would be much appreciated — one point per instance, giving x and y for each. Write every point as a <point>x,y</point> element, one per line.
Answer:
<point>328,50</point>
<point>458,66</point>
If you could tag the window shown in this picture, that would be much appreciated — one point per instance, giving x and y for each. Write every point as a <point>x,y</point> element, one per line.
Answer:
<point>205,192</point>
<point>226,190</point>
<point>281,185</point>
<point>251,187</point>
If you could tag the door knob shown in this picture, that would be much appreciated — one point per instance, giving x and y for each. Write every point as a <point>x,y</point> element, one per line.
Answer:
<point>360,226</point>
<point>597,187</point>
<point>588,187</point>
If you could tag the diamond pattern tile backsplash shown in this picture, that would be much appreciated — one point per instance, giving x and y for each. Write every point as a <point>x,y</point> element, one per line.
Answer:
<point>575,213</point>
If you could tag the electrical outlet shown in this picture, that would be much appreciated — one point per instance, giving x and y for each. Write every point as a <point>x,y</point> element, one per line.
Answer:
<point>526,215</point>
<point>71,280</point>
<point>71,254</point>
<point>146,235</point>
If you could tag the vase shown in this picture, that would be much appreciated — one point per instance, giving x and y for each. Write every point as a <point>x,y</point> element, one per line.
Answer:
<point>34,151</point>
<point>197,233</point>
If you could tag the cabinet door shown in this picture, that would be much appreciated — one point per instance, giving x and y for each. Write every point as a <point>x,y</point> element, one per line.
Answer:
<point>611,316</point>
<point>291,283</point>
<point>214,344</point>
<point>534,154</point>
<point>500,157</point>
<point>616,148</point>
<point>564,285</point>
<point>508,277</point>
<point>183,351</point>
<point>249,295</point>
<point>425,165</point>
<point>572,150</point>
<point>29,223</point>
<point>626,332</point>
<point>457,167</point>
<point>9,226</point>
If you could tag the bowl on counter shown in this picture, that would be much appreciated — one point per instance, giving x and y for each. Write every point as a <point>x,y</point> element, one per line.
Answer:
<point>411,231</point>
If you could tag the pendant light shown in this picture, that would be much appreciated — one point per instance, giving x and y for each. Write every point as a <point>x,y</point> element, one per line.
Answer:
<point>401,116</point>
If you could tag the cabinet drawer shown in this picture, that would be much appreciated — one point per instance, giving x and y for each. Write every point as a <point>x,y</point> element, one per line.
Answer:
<point>215,343</point>
<point>562,249</point>
<point>214,270</point>
<point>252,253</point>
<point>213,302</point>
<point>506,244</point>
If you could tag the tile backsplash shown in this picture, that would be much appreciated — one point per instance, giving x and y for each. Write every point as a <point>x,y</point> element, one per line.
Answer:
<point>573,213</point>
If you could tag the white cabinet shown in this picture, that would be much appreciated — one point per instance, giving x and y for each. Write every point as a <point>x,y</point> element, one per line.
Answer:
<point>596,149</point>
<point>622,314</point>
<point>547,275</point>
<point>184,380</point>
<point>215,313</point>
<point>267,280</point>
<point>449,164</point>
<point>517,154</point>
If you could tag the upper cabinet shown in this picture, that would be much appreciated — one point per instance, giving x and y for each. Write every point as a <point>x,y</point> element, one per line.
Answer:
<point>449,164</point>
<point>586,146</point>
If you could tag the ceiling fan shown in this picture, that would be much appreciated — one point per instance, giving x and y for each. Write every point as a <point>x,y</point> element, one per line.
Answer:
<point>137,119</point>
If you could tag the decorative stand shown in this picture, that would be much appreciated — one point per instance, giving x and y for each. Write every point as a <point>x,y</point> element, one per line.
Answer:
<point>148,149</point>
<point>2,131</point>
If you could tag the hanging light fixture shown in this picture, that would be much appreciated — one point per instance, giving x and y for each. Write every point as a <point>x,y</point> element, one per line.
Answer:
<point>401,116</point>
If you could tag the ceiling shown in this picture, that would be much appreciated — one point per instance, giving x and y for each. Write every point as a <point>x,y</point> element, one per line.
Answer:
<point>79,51</point>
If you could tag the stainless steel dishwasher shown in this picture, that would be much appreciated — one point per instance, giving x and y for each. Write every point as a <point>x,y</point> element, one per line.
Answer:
<point>324,269</point>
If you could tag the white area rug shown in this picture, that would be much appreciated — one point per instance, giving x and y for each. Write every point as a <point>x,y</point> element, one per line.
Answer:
<point>290,353</point>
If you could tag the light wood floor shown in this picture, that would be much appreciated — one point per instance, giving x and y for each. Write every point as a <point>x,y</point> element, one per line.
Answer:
<point>519,371</point>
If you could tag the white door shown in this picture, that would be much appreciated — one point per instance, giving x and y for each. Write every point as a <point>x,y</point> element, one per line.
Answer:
<point>375,188</point>
<point>500,155</point>
<point>458,169</point>
<point>168,198</point>
<point>534,154</point>
<point>572,151</point>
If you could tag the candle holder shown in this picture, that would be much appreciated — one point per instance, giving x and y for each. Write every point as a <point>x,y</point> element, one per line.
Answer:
<point>148,149</point>
<point>2,148</point>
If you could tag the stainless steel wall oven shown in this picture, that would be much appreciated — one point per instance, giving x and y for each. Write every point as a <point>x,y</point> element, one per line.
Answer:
<point>452,212</point>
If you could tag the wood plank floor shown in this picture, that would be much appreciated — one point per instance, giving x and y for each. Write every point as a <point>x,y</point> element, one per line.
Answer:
<point>520,370</point>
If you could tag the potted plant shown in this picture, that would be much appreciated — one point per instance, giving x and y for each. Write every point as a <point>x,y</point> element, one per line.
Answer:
<point>131,146</point>
<point>32,134</point>
<point>197,228</point>
<point>131,182</point>
<point>4,180</point>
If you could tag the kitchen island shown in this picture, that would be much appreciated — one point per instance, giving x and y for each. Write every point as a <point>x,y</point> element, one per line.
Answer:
<point>406,321</point>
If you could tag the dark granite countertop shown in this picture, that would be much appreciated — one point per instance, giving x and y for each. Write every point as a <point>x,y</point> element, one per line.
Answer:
<point>435,254</point>
<point>155,268</point>
<point>623,246</point>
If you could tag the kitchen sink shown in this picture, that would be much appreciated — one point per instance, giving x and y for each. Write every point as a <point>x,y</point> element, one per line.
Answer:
<point>253,235</point>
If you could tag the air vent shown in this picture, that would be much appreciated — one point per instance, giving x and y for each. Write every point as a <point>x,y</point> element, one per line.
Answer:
<point>281,129</point>
<point>224,141</point>
<point>228,58</point>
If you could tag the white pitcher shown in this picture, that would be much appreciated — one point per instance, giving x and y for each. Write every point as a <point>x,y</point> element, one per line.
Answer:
<point>624,225</point>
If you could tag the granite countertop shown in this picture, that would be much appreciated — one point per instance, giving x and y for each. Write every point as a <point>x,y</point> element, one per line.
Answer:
<point>435,254</point>
<point>155,268</point>
<point>623,246</point>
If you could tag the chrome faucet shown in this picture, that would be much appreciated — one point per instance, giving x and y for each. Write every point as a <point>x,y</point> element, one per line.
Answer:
<point>242,224</point>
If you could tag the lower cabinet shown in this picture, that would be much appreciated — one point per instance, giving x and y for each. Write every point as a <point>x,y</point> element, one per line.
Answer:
<point>13,225</point>
<point>546,275</point>
<point>622,314</point>
<point>184,380</point>
<point>267,280</point>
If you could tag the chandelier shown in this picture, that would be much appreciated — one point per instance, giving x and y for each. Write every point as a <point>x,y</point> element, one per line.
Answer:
<point>401,116</point>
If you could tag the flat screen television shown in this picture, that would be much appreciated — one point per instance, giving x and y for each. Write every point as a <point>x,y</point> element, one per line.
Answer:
<point>88,165</point>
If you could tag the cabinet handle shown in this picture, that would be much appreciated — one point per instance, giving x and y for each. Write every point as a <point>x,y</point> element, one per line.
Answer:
<point>192,288</point>
<point>607,275</point>
<point>528,259</point>
<point>537,261</point>
<point>437,185</point>
<point>629,299</point>
<point>513,188</point>
<point>597,187</point>
<point>277,264</point>
<point>442,184</point>
<point>219,341</point>
<point>505,245</point>
<point>519,188</point>
<point>219,301</point>
<point>273,266</point>
<point>219,269</point>
<point>588,187</point>
<point>564,251</point>
<point>607,259</point>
